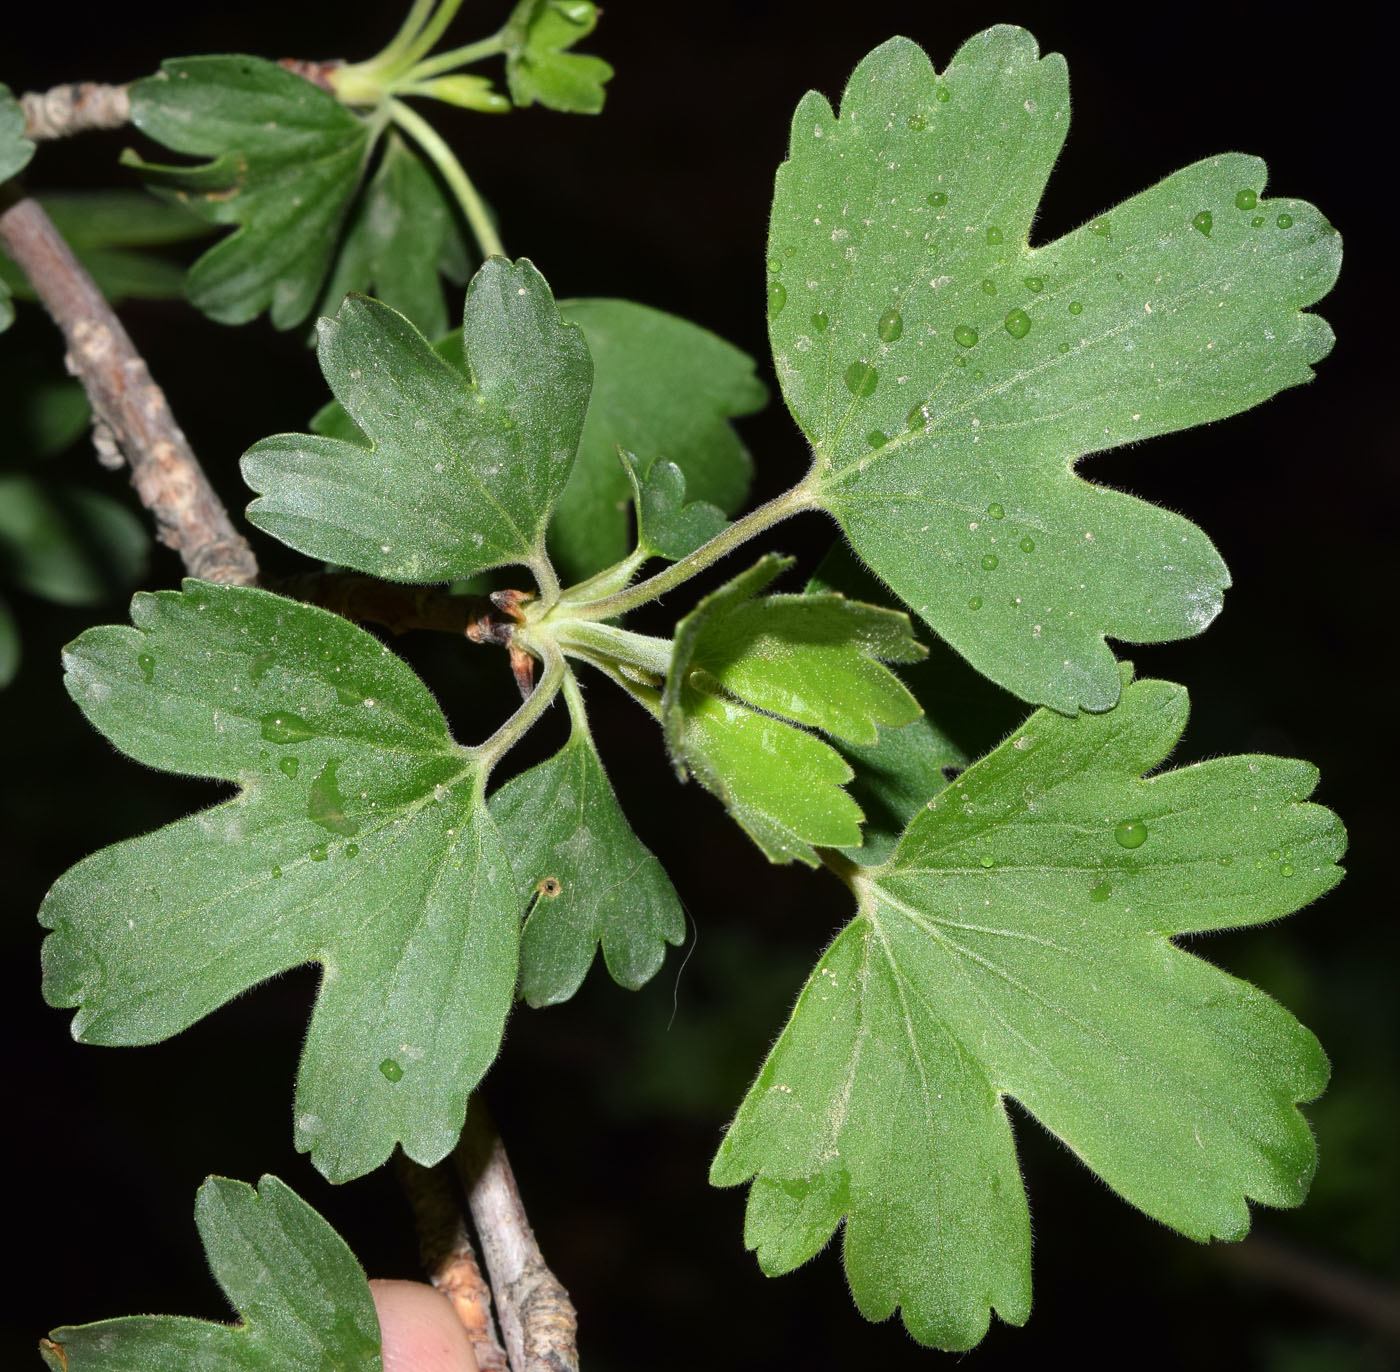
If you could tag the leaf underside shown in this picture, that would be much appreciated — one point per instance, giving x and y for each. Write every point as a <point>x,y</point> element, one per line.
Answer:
<point>304,1301</point>
<point>949,375</point>
<point>358,839</point>
<point>1019,943</point>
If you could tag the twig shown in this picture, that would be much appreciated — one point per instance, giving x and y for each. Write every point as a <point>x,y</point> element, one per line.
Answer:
<point>1351,1295</point>
<point>448,1257</point>
<point>66,110</point>
<point>537,1317</point>
<point>167,476</point>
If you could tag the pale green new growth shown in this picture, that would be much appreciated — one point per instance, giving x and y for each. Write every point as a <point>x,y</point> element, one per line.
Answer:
<point>949,375</point>
<point>359,839</point>
<point>536,39</point>
<point>813,660</point>
<point>302,1297</point>
<point>1019,943</point>
<point>458,473</point>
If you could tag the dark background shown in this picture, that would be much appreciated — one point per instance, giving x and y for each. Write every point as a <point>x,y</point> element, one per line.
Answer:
<point>613,1104</point>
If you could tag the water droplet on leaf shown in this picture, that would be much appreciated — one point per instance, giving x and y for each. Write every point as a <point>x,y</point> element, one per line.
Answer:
<point>1284,221</point>
<point>937,199</point>
<point>326,806</point>
<point>861,378</point>
<point>891,325</point>
<point>966,336</point>
<point>942,95</point>
<point>989,287</point>
<point>1028,545</point>
<point>1075,307</point>
<point>820,321</point>
<point>774,265</point>
<point>391,1070</point>
<point>993,235</point>
<point>877,438</point>
<point>1132,833</point>
<point>318,853</point>
<point>989,563</point>
<point>987,860</point>
<point>1285,870</point>
<point>975,603</point>
<point>918,122</point>
<point>276,871</point>
<point>1204,222</point>
<point>1100,227</point>
<point>1245,200</point>
<point>1018,323</point>
<point>1100,891</point>
<point>1257,222</point>
<point>147,664</point>
<point>352,850</point>
<point>1034,283</point>
<point>288,766</point>
<point>777,298</point>
<point>996,511</point>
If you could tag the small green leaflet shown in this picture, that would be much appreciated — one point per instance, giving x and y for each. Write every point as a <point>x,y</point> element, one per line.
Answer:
<point>668,525</point>
<point>1019,943</point>
<point>303,1300</point>
<point>359,839</point>
<point>458,473</point>
<point>286,158</point>
<point>590,879</point>
<point>660,385</point>
<point>539,66</point>
<point>949,376</point>
<point>112,233</point>
<point>403,236</point>
<point>15,152</point>
<point>814,660</point>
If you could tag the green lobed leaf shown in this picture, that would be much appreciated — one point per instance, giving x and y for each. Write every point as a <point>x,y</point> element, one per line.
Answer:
<point>112,234</point>
<point>359,839</point>
<point>67,544</point>
<point>285,160</point>
<point>590,880</point>
<point>660,384</point>
<point>964,716</point>
<point>402,237</point>
<point>539,66</point>
<point>304,1302</point>
<point>668,525</point>
<point>455,474</point>
<point>813,660</point>
<point>949,376</point>
<point>1019,943</point>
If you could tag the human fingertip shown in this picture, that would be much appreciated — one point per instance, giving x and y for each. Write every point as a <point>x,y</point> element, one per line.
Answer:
<point>419,1329</point>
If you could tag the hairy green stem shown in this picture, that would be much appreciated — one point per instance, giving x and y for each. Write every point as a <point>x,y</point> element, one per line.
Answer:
<point>546,578</point>
<point>573,698</point>
<point>594,641</point>
<point>791,502</point>
<point>432,31</point>
<point>400,43</point>
<point>488,754</point>
<point>454,58</point>
<point>445,160</point>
